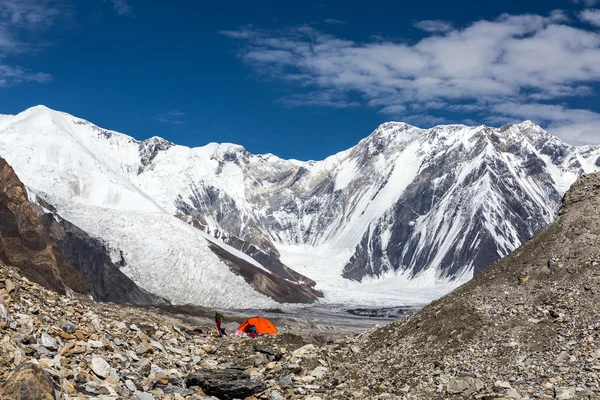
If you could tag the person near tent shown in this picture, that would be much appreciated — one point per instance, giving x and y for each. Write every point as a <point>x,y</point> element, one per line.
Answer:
<point>252,331</point>
<point>218,320</point>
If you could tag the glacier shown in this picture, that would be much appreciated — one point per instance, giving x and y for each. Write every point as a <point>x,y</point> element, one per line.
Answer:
<point>401,218</point>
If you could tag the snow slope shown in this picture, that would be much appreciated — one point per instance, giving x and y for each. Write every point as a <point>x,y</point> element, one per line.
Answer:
<point>70,167</point>
<point>406,214</point>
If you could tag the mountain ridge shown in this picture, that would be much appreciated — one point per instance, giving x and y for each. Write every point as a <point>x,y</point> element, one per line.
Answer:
<point>439,203</point>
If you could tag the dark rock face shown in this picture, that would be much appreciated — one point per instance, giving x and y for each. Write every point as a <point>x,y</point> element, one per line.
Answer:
<point>28,382</point>
<point>270,285</point>
<point>57,254</point>
<point>228,384</point>
<point>25,241</point>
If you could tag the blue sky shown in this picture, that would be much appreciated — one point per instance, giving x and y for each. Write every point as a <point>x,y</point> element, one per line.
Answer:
<point>303,79</point>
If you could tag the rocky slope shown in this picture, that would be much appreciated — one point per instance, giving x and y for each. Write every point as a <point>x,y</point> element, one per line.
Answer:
<point>423,207</point>
<point>526,327</point>
<point>57,347</point>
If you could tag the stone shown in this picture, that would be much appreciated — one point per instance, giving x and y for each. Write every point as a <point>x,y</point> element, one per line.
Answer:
<point>142,396</point>
<point>100,367</point>
<point>68,327</point>
<point>95,344</point>
<point>277,396</point>
<point>304,350</point>
<point>564,393</point>
<point>162,378</point>
<point>130,385</point>
<point>209,348</point>
<point>259,359</point>
<point>10,286</point>
<point>285,382</point>
<point>228,383</point>
<point>319,372</point>
<point>28,382</point>
<point>512,394</point>
<point>466,384</point>
<point>4,314</point>
<point>271,365</point>
<point>49,342</point>
<point>145,367</point>
<point>144,348</point>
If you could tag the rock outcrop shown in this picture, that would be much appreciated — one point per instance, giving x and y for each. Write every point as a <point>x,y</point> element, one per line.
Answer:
<point>28,382</point>
<point>25,240</point>
<point>57,254</point>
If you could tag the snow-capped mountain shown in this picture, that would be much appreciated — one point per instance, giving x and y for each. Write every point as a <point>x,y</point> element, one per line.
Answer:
<point>402,212</point>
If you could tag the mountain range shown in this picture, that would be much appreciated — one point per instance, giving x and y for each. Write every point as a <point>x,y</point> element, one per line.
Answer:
<point>403,216</point>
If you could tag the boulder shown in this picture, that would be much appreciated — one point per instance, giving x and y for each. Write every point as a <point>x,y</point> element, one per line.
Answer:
<point>100,367</point>
<point>28,382</point>
<point>465,384</point>
<point>228,384</point>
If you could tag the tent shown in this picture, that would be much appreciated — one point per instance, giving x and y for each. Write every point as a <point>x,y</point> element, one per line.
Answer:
<point>263,326</point>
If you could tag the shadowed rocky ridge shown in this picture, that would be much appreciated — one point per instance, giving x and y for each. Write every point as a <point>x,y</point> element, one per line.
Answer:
<point>57,254</point>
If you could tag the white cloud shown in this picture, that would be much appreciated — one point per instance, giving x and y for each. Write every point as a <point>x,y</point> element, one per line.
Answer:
<point>30,13</point>
<point>477,70</point>
<point>334,21</point>
<point>434,26</point>
<point>590,16</point>
<point>121,7</point>
<point>587,3</point>
<point>21,19</point>
<point>173,117</point>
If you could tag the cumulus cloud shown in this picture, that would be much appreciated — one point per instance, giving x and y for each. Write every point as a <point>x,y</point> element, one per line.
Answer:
<point>121,7</point>
<point>587,3</point>
<point>173,117</point>
<point>20,21</point>
<point>590,16</point>
<point>434,26</point>
<point>489,68</point>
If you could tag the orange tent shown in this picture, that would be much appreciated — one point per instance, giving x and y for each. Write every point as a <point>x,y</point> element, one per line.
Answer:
<point>263,326</point>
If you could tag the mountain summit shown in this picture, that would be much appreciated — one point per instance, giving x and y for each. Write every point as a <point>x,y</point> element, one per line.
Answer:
<point>405,210</point>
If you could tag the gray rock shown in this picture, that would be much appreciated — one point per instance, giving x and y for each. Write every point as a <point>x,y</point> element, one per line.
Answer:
<point>564,393</point>
<point>142,396</point>
<point>277,396</point>
<point>260,359</point>
<point>285,382</point>
<point>130,385</point>
<point>100,367</point>
<point>144,348</point>
<point>228,384</point>
<point>49,342</point>
<point>465,384</point>
<point>69,327</point>
<point>319,372</point>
